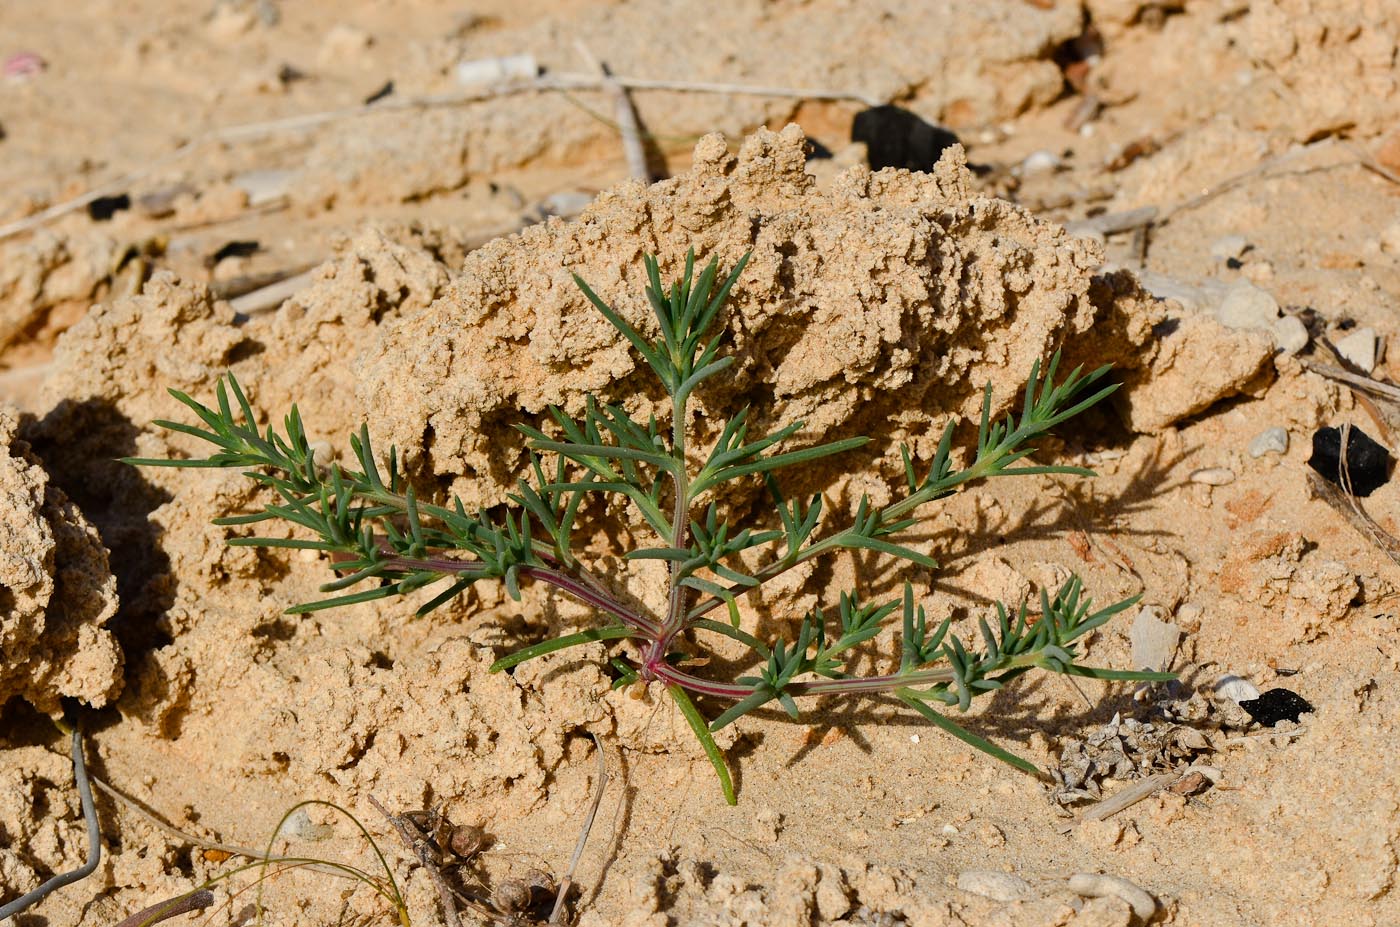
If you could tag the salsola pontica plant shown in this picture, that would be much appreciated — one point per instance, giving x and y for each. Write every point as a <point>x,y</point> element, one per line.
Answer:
<point>383,540</point>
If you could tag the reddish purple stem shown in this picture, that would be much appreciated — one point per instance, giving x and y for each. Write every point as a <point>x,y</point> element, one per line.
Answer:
<point>196,901</point>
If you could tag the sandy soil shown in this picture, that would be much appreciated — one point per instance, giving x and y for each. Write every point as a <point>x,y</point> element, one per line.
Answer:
<point>431,249</point>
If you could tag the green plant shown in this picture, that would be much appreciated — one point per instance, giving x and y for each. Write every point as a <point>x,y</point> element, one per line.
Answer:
<point>384,539</point>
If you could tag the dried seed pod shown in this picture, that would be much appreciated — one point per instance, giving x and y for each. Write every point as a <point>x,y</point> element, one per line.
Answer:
<point>539,879</point>
<point>467,841</point>
<point>512,896</point>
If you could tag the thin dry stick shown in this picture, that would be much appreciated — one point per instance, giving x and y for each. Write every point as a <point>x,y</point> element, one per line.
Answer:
<point>1387,542</point>
<point>164,910</point>
<point>312,120</point>
<point>233,850</point>
<point>568,879</point>
<point>1125,798</point>
<point>1355,380</point>
<point>1230,183</point>
<point>80,777</point>
<point>418,846</point>
<point>625,115</point>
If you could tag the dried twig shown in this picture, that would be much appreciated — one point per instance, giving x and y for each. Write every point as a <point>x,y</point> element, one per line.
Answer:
<point>625,115</point>
<point>567,882</point>
<point>1356,380</point>
<point>1232,182</point>
<point>417,844</point>
<point>1125,798</point>
<point>163,911</point>
<point>232,849</point>
<point>29,899</point>
<point>1111,223</point>
<point>544,84</point>
<point>272,295</point>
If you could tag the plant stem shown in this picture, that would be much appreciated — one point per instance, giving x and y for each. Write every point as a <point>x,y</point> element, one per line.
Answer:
<point>680,535</point>
<point>574,586</point>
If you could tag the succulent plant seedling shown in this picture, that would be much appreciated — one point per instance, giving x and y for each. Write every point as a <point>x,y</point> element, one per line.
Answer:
<point>383,540</point>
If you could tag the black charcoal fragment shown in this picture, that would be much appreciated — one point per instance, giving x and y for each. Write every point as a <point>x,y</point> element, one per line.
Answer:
<point>1368,464</point>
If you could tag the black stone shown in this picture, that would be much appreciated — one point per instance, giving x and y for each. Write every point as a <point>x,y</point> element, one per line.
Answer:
<point>1368,464</point>
<point>234,249</point>
<point>105,207</point>
<point>1276,705</point>
<point>897,137</point>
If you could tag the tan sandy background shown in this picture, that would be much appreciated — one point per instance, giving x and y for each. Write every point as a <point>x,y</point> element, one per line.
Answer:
<point>431,249</point>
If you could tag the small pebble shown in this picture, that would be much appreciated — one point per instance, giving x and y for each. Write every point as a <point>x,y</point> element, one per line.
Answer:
<point>1247,306</point>
<point>1235,689</point>
<point>1231,246</point>
<point>1098,885</point>
<point>485,71</point>
<point>1040,162</point>
<point>1213,476</point>
<point>1269,441</point>
<point>1290,334</point>
<point>1361,347</point>
<point>998,886</point>
<point>1277,705</point>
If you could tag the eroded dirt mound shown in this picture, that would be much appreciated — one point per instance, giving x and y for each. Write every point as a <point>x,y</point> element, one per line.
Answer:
<point>56,592</point>
<point>880,307</point>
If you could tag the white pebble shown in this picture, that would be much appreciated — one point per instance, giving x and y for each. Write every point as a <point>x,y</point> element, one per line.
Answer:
<point>1290,334</point>
<point>1097,885</point>
<point>1361,347</point>
<point>998,886</point>
<point>1269,441</point>
<point>484,71</point>
<point>1235,689</point>
<point>1213,476</point>
<point>1040,162</point>
<point>1247,306</point>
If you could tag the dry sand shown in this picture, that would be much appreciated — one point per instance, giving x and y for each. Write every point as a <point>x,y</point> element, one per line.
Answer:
<point>877,302</point>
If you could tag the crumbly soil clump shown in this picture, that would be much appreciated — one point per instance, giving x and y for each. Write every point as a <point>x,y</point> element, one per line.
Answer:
<point>877,301</point>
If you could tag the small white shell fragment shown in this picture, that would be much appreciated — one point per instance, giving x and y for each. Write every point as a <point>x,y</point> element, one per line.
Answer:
<point>1235,689</point>
<point>1154,639</point>
<point>484,71</point>
<point>1098,885</point>
<point>1213,476</point>
<point>1269,441</point>
<point>998,886</point>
